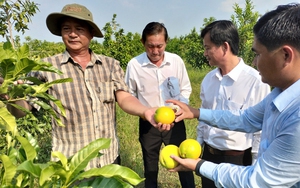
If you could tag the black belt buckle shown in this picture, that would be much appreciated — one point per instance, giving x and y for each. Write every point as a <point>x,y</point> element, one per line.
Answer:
<point>211,150</point>
<point>214,151</point>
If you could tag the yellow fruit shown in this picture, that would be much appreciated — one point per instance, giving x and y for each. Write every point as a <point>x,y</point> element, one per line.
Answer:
<point>164,115</point>
<point>164,156</point>
<point>190,148</point>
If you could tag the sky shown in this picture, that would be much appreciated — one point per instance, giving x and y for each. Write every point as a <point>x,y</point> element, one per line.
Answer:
<point>179,16</point>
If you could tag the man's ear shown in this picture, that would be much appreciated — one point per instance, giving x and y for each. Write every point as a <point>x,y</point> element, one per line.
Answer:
<point>225,47</point>
<point>287,54</point>
<point>142,41</point>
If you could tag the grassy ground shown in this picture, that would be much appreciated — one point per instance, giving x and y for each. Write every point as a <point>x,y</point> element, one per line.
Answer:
<point>131,154</point>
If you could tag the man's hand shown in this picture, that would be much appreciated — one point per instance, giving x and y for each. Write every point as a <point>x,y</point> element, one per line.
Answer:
<point>149,116</point>
<point>185,111</point>
<point>184,164</point>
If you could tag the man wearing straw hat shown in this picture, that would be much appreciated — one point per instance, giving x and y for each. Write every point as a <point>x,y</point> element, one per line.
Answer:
<point>90,99</point>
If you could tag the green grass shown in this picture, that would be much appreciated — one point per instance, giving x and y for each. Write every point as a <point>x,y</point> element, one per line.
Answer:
<point>130,149</point>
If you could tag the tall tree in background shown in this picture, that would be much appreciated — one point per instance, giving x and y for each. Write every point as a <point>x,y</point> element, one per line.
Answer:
<point>245,21</point>
<point>15,15</point>
<point>118,45</point>
<point>194,50</point>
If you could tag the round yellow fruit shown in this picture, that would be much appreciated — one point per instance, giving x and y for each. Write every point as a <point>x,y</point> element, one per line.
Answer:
<point>190,148</point>
<point>164,115</point>
<point>164,156</point>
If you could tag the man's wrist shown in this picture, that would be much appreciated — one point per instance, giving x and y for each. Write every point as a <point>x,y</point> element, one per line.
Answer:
<point>198,166</point>
<point>198,114</point>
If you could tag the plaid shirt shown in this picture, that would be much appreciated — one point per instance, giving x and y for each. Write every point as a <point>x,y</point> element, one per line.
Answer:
<point>89,102</point>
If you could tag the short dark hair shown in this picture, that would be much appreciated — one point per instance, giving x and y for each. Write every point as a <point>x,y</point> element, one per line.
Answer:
<point>279,27</point>
<point>154,28</point>
<point>223,31</point>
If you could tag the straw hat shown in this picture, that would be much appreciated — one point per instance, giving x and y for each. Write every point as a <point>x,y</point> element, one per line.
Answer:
<point>74,11</point>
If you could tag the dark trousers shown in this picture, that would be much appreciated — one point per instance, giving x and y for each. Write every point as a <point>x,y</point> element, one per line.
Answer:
<point>244,159</point>
<point>151,140</point>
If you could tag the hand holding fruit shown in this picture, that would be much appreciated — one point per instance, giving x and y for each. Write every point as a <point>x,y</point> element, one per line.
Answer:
<point>184,164</point>
<point>164,116</point>
<point>187,154</point>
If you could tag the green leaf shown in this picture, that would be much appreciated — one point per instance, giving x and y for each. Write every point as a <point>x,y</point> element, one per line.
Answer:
<point>114,170</point>
<point>9,170</point>
<point>46,174</point>
<point>23,52</point>
<point>42,88</point>
<point>13,154</point>
<point>30,167</point>
<point>81,159</point>
<point>57,102</point>
<point>28,148</point>
<point>46,66</point>
<point>24,66</point>
<point>63,159</point>
<point>50,110</point>
<point>34,80</point>
<point>32,141</point>
<point>7,120</point>
<point>7,67</point>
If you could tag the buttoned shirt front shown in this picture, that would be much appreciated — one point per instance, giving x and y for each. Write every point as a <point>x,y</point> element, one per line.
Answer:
<point>239,89</point>
<point>153,85</point>
<point>278,162</point>
<point>89,102</point>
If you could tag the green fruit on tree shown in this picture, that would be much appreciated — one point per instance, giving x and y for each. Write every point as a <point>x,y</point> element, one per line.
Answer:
<point>164,156</point>
<point>164,115</point>
<point>190,148</point>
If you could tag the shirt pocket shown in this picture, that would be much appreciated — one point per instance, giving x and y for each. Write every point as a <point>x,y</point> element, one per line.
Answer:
<point>173,87</point>
<point>106,92</point>
<point>230,105</point>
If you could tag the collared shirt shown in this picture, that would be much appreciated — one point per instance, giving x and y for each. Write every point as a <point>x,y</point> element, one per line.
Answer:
<point>153,85</point>
<point>239,89</point>
<point>89,102</point>
<point>278,162</point>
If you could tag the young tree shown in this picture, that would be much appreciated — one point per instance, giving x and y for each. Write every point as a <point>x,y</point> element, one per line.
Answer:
<point>15,14</point>
<point>245,20</point>
<point>41,49</point>
<point>194,50</point>
<point>119,45</point>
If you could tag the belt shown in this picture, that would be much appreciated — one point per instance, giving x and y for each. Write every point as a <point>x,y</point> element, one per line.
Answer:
<point>225,152</point>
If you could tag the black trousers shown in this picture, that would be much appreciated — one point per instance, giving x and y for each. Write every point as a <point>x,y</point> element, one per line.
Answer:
<point>244,159</point>
<point>151,140</point>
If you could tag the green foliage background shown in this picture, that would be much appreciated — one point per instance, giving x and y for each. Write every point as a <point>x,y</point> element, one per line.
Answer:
<point>124,46</point>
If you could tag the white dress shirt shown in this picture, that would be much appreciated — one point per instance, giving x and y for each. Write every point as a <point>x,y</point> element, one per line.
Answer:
<point>153,85</point>
<point>239,89</point>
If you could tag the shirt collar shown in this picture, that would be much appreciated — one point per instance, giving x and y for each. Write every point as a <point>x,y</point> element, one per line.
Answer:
<point>285,97</point>
<point>146,60</point>
<point>236,71</point>
<point>67,57</point>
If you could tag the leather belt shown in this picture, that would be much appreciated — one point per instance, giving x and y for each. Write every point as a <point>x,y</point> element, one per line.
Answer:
<point>225,152</point>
